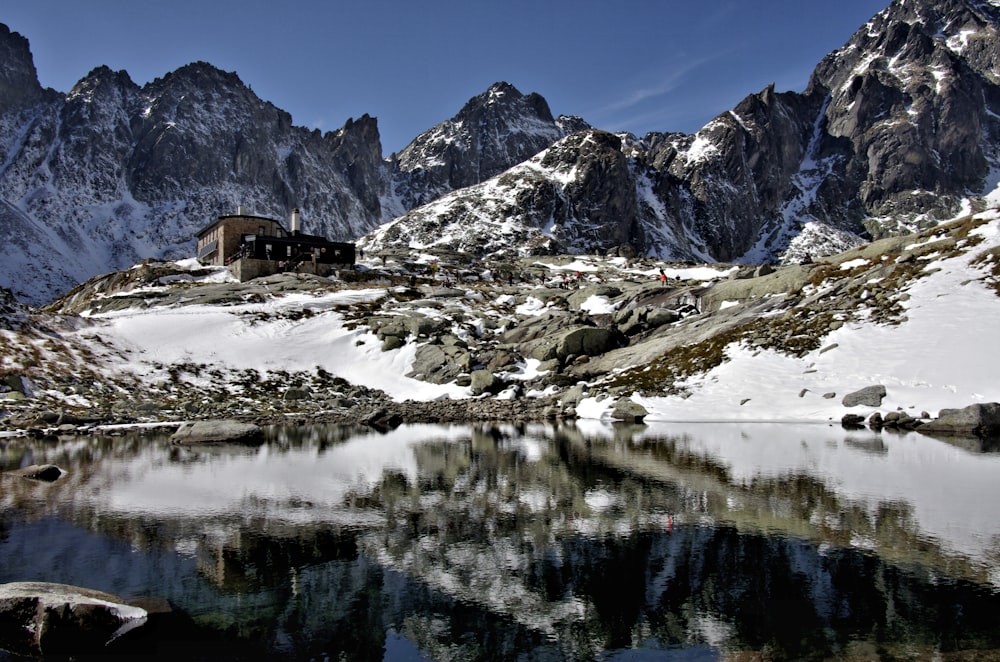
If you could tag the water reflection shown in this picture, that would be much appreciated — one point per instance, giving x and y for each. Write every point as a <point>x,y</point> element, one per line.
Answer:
<point>553,542</point>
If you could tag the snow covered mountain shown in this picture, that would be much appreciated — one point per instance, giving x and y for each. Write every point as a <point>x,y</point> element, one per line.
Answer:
<point>574,197</point>
<point>896,130</point>
<point>112,173</point>
<point>493,131</point>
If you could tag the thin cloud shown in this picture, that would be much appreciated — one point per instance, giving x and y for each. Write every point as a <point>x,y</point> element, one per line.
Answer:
<point>633,109</point>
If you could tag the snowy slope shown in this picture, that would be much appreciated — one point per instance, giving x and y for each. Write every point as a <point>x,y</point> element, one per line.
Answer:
<point>942,355</point>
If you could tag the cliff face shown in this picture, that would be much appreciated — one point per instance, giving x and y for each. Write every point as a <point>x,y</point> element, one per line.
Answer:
<point>912,109</point>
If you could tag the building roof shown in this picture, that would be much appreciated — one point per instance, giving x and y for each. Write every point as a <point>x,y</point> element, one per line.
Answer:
<point>219,219</point>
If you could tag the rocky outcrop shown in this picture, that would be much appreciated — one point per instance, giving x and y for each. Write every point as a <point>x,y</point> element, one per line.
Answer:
<point>577,196</point>
<point>41,618</point>
<point>19,86</point>
<point>911,108</point>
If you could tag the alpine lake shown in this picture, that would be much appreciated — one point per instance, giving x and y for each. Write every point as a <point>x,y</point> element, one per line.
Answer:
<point>582,541</point>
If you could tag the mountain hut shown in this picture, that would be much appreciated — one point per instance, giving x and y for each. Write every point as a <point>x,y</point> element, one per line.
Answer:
<point>254,246</point>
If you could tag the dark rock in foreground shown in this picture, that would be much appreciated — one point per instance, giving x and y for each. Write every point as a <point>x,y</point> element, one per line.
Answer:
<point>39,618</point>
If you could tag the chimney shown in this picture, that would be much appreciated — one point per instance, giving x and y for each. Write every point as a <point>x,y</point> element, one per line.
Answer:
<point>296,223</point>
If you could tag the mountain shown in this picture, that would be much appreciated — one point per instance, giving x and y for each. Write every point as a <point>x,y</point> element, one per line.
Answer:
<point>111,173</point>
<point>574,197</point>
<point>898,129</point>
<point>492,132</point>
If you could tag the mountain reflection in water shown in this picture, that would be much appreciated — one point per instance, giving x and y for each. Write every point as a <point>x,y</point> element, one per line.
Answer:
<point>532,542</point>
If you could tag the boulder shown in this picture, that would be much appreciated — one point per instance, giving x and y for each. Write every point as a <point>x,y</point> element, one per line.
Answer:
<point>852,421</point>
<point>294,393</point>
<point>440,364</point>
<point>900,419</point>
<point>576,341</point>
<point>870,396</point>
<point>585,341</point>
<point>658,317</point>
<point>981,420</point>
<point>41,618</point>
<point>382,419</point>
<point>388,327</point>
<point>628,411</point>
<point>537,328</point>
<point>20,384</point>
<point>573,395</point>
<point>484,381</point>
<point>631,321</point>
<point>392,342</point>
<point>217,431</point>
<point>420,325</point>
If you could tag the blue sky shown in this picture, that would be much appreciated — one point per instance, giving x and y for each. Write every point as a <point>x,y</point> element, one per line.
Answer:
<point>635,65</point>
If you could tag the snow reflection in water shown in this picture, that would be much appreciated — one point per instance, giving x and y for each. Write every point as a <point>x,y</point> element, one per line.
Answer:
<point>571,540</point>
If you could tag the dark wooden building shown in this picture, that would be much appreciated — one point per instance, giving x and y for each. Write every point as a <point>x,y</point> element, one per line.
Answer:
<point>253,246</point>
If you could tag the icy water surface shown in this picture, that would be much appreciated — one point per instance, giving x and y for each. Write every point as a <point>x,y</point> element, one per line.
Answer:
<point>499,542</point>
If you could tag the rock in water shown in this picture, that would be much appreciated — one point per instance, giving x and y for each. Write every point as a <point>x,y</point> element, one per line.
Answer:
<point>219,431</point>
<point>982,420</point>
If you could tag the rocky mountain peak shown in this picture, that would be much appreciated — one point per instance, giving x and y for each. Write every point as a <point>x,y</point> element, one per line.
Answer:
<point>571,124</point>
<point>19,84</point>
<point>502,97</point>
<point>99,84</point>
<point>914,92</point>
<point>492,132</point>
